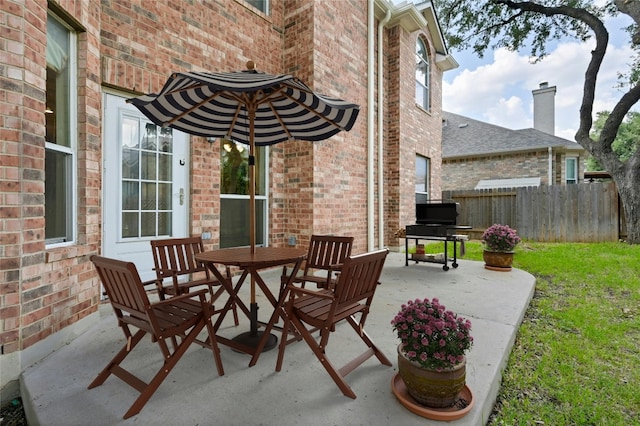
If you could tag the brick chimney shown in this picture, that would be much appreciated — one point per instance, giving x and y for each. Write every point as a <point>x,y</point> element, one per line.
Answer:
<point>544,110</point>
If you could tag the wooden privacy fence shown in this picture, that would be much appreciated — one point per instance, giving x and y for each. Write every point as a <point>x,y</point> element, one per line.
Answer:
<point>587,212</point>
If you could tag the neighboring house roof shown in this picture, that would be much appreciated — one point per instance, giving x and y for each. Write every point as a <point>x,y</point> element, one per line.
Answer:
<point>466,137</point>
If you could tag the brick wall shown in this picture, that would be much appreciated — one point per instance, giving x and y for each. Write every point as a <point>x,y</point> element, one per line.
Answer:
<point>131,46</point>
<point>465,173</point>
<point>411,130</point>
<point>42,291</point>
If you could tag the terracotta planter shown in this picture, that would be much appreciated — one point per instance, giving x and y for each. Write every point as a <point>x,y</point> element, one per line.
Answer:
<point>437,389</point>
<point>497,260</point>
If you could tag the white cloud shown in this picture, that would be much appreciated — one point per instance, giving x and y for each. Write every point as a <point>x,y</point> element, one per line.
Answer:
<point>499,92</point>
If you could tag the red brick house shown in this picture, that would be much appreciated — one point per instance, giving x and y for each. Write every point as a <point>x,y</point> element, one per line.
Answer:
<point>83,172</point>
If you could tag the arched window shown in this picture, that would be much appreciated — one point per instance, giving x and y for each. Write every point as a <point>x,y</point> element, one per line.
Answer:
<point>422,75</point>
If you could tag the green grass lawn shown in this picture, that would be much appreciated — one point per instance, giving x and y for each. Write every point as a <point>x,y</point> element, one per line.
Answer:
<point>576,359</point>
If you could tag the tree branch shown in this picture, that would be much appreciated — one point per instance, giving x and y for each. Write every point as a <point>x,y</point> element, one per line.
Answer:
<point>597,56</point>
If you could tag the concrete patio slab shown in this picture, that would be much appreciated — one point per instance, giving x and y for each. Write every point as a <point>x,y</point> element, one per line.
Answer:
<point>55,390</point>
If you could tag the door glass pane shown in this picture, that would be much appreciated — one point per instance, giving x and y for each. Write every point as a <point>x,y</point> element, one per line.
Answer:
<point>147,187</point>
<point>164,196</point>
<point>148,225</point>
<point>130,130</point>
<point>166,140</point>
<point>129,224</point>
<point>148,199</point>
<point>149,139</point>
<point>130,195</point>
<point>164,167</point>
<point>164,223</point>
<point>148,161</point>
<point>130,163</point>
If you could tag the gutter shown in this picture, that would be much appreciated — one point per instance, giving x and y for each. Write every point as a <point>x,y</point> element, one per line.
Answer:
<point>370,122</point>
<point>380,130</point>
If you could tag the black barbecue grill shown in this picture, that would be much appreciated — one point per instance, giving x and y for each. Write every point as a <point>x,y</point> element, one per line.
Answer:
<point>435,220</point>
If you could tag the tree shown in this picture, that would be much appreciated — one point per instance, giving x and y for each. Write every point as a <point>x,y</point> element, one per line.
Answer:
<point>490,24</point>
<point>626,142</point>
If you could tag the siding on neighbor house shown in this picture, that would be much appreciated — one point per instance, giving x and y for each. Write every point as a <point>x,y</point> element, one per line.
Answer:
<point>465,173</point>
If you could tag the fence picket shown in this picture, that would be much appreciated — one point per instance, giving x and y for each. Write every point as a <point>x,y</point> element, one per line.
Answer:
<point>588,212</point>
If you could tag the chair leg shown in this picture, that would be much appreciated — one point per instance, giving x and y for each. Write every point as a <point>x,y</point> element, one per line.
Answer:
<point>283,340</point>
<point>359,328</point>
<point>319,353</point>
<point>234,307</point>
<point>114,365</point>
<point>214,343</point>
<point>164,371</point>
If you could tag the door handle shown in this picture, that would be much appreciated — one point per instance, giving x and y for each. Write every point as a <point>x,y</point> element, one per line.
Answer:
<point>181,196</point>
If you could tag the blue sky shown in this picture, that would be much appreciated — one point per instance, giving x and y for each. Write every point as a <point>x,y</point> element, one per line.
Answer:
<point>497,89</point>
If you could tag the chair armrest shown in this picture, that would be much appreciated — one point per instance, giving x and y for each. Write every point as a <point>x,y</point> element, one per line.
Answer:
<point>166,271</point>
<point>180,297</point>
<point>316,293</point>
<point>153,281</point>
<point>303,264</point>
<point>336,266</point>
<point>157,282</point>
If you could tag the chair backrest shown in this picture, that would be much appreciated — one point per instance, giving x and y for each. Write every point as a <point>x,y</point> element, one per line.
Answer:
<point>358,280</point>
<point>177,256</point>
<point>327,250</point>
<point>122,283</point>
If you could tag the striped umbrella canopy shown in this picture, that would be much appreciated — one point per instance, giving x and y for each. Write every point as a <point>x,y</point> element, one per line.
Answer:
<point>247,106</point>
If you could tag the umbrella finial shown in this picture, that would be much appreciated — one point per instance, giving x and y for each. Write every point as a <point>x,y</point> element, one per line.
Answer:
<point>251,65</point>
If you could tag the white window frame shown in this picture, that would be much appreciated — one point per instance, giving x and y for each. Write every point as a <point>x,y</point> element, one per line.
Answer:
<point>569,166</point>
<point>423,87</point>
<point>261,5</point>
<point>70,151</point>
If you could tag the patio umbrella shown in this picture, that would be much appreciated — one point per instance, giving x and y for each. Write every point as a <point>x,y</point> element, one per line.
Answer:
<point>250,107</point>
<point>247,106</point>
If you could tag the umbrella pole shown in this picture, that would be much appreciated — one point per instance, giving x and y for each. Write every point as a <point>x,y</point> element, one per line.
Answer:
<point>252,337</point>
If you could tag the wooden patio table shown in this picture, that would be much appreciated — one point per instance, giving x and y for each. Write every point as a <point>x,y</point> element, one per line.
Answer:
<point>252,342</point>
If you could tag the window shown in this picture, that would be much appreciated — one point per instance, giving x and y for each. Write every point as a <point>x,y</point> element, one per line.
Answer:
<point>234,195</point>
<point>147,176</point>
<point>60,118</point>
<point>422,179</point>
<point>422,75</point>
<point>571,166</point>
<point>261,5</point>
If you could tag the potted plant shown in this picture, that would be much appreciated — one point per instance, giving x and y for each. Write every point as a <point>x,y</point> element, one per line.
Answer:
<point>499,243</point>
<point>431,353</point>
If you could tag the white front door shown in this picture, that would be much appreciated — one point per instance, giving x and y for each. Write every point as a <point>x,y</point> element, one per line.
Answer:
<point>145,177</point>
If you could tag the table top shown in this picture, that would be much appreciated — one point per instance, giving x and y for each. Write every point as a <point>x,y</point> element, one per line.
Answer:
<point>263,257</point>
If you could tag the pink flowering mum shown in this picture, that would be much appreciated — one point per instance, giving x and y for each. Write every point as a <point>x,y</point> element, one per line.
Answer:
<point>432,336</point>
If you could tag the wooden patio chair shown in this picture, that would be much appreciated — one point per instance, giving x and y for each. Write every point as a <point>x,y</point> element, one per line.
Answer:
<point>326,253</point>
<point>323,309</point>
<point>178,319</point>
<point>174,260</point>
